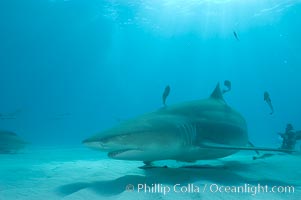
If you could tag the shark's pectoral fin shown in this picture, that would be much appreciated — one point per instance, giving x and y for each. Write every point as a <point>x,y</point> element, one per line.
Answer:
<point>152,167</point>
<point>229,147</point>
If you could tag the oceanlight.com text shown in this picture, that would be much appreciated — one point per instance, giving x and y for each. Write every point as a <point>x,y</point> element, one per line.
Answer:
<point>211,188</point>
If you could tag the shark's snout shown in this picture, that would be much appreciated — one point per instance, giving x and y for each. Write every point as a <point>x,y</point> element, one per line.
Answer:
<point>95,144</point>
<point>111,143</point>
<point>114,148</point>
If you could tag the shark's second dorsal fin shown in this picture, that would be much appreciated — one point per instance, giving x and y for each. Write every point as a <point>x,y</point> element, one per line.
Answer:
<point>217,93</point>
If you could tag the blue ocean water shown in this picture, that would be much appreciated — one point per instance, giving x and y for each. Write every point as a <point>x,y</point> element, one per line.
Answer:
<point>73,68</point>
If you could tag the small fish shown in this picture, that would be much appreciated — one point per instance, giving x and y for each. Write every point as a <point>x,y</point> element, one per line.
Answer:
<point>235,35</point>
<point>228,85</point>
<point>267,99</point>
<point>165,94</point>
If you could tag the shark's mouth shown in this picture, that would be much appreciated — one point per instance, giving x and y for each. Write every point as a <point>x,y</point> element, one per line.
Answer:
<point>113,154</point>
<point>123,153</point>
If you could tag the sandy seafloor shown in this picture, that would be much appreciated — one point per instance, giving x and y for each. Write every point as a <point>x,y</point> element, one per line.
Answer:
<point>80,173</point>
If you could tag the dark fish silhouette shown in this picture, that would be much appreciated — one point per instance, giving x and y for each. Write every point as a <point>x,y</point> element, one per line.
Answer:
<point>267,99</point>
<point>266,155</point>
<point>235,35</point>
<point>228,85</point>
<point>165,94</point>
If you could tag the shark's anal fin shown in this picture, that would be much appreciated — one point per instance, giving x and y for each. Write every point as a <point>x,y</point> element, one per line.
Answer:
<point>229,147</point>
<point>217,93</point>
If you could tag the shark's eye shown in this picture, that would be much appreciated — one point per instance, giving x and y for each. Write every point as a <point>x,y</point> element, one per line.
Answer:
<point>101,144</point>
<point>104,140</point>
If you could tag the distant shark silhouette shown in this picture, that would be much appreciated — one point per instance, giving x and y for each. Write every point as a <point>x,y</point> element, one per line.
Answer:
<point>189,131</point>
<point>10,142</point>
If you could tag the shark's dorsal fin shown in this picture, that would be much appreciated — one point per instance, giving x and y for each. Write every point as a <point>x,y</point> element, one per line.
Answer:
<point>217,93</point>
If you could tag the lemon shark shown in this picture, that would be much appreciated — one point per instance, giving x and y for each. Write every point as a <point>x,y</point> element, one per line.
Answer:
<point>189,131</point>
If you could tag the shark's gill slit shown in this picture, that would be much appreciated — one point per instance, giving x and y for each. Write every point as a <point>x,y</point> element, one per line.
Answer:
<point>188,132</point>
